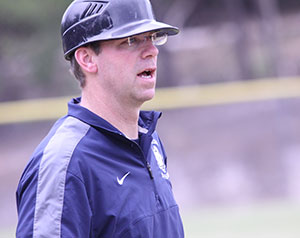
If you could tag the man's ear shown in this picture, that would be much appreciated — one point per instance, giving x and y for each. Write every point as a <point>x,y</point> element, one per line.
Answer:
<point>85,58</point>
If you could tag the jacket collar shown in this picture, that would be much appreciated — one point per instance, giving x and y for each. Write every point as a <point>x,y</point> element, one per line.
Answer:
<point>147,120</point>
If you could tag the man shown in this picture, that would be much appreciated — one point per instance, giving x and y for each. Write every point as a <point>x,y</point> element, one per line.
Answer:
<point>101,170</point>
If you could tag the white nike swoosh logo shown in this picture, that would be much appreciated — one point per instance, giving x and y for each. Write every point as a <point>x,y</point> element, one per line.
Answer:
<point>121,181</point>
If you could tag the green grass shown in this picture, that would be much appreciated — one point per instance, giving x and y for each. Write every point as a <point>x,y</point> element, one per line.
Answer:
<point>270,220</point>
<point>7,232</point>
<point>278,220</point>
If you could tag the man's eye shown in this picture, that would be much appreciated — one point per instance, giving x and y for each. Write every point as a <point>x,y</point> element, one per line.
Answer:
<point>132,40</point>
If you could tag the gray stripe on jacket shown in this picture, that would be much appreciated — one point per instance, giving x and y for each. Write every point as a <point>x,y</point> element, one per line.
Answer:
<point>52,177</point>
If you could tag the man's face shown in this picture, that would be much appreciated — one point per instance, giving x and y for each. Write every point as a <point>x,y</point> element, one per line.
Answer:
<point>127,68</point>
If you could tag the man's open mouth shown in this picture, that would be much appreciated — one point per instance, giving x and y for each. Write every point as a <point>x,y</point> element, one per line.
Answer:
<point>148,73</point>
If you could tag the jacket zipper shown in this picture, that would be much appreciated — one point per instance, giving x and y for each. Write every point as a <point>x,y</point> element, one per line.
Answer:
<point>157,197</point>
<point>149,170</point>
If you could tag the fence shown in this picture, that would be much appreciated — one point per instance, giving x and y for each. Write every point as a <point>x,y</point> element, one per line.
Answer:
<point>166,98</point>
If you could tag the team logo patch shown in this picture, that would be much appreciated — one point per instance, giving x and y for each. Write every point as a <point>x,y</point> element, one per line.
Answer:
<point>160,159</point>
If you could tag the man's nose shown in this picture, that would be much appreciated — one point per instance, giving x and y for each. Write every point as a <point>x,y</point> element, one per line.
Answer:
<point>149,49</point>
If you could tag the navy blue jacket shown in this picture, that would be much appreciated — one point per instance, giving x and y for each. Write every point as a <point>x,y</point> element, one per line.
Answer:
<point>86,179</point>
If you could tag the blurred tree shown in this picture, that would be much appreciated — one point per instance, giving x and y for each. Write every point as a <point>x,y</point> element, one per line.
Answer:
<point>288,5</point>
<point>175,12</point>
<point>31,62</point>
<point>269,12</point>
<point>29,39</point>
<point>237,12</point>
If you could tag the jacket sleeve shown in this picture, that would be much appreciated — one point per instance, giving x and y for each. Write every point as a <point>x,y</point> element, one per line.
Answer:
<point>25,197</point>
<point>76,213</point>
<point>62,215</point>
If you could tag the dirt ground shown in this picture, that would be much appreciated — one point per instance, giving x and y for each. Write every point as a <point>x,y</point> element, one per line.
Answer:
<point>220,155</point>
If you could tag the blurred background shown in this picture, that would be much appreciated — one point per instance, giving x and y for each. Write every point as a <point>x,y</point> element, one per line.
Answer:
<point>235,165</point>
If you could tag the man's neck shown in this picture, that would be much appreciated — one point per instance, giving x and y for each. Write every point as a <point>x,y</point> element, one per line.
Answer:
<point>124,118</point>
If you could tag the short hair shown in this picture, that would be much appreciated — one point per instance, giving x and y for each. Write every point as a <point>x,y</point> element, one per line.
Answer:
<point>75,67</point>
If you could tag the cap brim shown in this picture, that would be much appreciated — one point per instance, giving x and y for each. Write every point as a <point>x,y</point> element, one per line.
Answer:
<point>137,28</point>
<point>145,26</point>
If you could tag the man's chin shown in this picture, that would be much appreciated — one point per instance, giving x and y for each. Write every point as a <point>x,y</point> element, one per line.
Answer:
<point>146,97</point>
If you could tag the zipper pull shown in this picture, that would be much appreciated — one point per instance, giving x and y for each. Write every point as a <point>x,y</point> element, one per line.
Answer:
<point>150,170</point>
